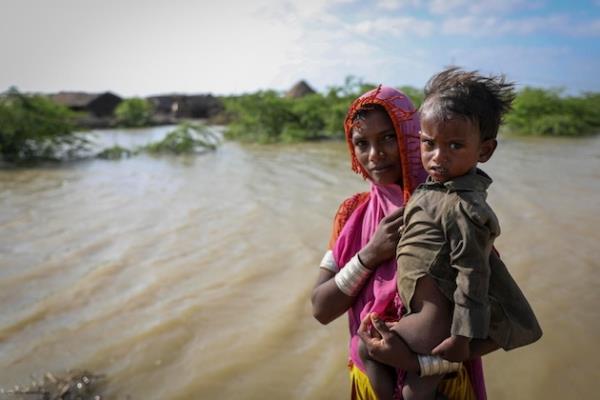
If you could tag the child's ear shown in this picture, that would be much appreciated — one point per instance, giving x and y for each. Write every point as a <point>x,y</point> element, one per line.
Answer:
<point>487,149</point>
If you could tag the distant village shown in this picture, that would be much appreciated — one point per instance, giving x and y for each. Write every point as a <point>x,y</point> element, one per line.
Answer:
<point>96,110</point>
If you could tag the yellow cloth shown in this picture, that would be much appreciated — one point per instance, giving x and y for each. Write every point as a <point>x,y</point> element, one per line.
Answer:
<point>457,388</point>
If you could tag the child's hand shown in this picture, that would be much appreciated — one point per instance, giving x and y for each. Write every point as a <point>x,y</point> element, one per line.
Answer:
<point>454,348</point>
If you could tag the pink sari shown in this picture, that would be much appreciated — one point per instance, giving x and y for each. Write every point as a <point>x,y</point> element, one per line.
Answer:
<point>380,294</point>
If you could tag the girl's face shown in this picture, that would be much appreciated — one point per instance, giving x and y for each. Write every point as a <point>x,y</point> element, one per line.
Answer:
<point>450,149</point>
<point>376,147</point>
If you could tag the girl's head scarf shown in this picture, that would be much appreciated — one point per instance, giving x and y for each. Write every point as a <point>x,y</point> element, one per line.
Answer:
<point>379,294</point>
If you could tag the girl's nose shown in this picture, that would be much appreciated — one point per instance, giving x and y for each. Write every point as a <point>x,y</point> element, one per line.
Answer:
<point>376,153</point>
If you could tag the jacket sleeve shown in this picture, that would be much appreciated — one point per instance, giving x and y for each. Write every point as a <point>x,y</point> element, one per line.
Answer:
<point>471,229</point>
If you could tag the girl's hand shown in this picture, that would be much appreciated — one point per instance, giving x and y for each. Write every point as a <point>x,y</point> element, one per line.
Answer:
<point>454,348</point>
<point>382,245</point>
<point>384,345</point>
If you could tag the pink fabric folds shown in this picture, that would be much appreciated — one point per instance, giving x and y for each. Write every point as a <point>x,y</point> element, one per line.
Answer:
<point>380,292</point>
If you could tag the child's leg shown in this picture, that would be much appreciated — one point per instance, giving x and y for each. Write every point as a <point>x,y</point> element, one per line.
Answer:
<point>420,388</point>
<point>426,327</point>
<point>430,319</point>
<point>382,377</point>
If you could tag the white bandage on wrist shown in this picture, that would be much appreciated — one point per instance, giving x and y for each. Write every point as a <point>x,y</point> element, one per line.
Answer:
<point>434,365</point>
<point>328,262</point>
<point>352,277</point>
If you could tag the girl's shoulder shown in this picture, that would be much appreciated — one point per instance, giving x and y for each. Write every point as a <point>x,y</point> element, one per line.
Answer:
<point>344,212</point>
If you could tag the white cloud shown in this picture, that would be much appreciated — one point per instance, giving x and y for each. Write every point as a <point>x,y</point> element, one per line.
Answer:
<point>392,5</point>
<point>482,7</point>
<point>138,47</point>
<point>396,26</point>
<point>494,26</point>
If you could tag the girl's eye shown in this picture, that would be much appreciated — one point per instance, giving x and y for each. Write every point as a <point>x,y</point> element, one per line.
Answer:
<point>390,137</point>
<point>361,144</point>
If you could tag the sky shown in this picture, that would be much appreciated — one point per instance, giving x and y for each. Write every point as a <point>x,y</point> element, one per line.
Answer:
<point>146,47</point>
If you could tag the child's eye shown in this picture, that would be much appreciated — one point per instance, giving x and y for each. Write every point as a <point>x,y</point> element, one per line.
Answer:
<point>389,137</point>
<point>427,142</point>
<point>455,146</point>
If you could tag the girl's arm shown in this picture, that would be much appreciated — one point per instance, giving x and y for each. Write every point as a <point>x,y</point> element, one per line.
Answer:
<point>328,301</point>
<point>387,347</point>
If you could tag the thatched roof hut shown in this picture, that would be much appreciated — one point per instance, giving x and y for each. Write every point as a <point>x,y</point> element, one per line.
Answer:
<point>98,104</point>
<point>300,89</point>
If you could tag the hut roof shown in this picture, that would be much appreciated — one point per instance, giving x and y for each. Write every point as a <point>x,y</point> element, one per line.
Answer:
<point>300,89</point>
<point>77,99</point>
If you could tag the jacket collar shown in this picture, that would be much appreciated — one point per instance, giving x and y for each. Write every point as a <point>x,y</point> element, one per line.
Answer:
<point>474,181</point>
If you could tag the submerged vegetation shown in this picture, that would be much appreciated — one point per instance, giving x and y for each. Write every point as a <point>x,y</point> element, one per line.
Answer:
<point>33,127</point>
<point>115,153</point>
<point>187,137</point>
<point>74,385</point>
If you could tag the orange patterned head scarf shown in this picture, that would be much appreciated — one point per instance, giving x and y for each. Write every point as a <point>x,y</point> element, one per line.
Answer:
<point>406,124</point>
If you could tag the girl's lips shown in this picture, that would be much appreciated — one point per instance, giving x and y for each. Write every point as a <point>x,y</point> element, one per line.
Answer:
<point>381,168</point>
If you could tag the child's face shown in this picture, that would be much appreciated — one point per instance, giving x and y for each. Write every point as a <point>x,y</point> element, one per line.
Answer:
<point>450,149</point>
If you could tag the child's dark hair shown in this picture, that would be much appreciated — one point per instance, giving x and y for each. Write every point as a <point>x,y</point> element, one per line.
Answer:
<point>455,93</point>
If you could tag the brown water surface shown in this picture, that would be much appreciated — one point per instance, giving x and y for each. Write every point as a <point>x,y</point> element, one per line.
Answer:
<point>190,277</point>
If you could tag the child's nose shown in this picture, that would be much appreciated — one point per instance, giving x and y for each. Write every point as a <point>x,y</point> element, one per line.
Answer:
<point>439,155</point>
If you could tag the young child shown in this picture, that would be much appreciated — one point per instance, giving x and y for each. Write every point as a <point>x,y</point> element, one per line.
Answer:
<point>447,240</point>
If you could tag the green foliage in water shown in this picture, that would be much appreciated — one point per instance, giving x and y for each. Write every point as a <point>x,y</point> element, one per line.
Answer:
<point>115,153</point>
<point>545,112</point>
<point>134,112</point>
<point>187,137</point>
<point>33,127</point>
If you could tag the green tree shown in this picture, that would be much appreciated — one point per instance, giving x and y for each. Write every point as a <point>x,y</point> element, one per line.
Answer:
<point>260,117</point>
<point>35,128</point>
<point>546,112</point>
<point>134,112</point>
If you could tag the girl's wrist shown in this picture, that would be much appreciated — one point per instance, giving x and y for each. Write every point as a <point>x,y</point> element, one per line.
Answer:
<point>366,258</point>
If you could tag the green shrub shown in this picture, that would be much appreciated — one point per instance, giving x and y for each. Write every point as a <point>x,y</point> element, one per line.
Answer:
<point>186,138</point>
<point>546,112</point>
<point>557,125</point>
<point>35,128</point>
<point>115,153</point>
<point>134,112</point>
